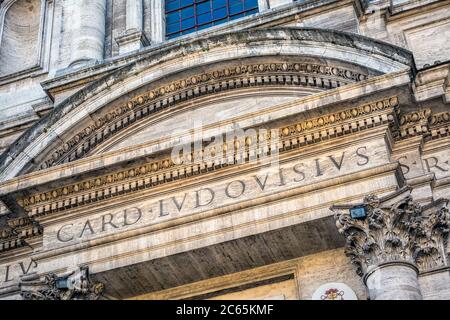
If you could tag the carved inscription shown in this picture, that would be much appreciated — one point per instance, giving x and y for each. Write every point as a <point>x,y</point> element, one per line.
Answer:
<point>220,194</point>
<point>413,164</point>
<point>438,164</point>
<point>12,272</point>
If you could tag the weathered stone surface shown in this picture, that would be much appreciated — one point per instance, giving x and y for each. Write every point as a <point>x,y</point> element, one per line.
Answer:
<point>204,166</point>
<point>395,239</point>
<point>394,282</point>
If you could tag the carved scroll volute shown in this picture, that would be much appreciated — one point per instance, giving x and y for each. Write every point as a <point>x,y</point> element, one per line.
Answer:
<point>359,243</point>
<point>400,231</point>
<point>430,233</point>
<point>76,286</point>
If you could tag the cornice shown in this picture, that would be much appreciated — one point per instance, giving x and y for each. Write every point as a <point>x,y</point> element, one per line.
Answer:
<point>363,50</point>
<point>213,176</point>
<point>18,233</point>
<point>329,184</point>
<point>424,123</point>
<point>313,102</point>
<point>67,76</point>
<point>209,83</point>
<point>214,157</point>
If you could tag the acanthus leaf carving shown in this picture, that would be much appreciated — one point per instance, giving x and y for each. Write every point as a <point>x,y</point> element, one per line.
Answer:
<point>403,231</point>
<point>430,238</point>
<point>75,286</point>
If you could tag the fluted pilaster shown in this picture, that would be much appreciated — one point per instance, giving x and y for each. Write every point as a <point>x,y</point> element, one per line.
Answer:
<point>134,13</point>
<point>133,38</point>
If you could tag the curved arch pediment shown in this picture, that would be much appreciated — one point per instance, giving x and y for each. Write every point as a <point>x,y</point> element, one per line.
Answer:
<point>280,63</point>
<point>224,93</point>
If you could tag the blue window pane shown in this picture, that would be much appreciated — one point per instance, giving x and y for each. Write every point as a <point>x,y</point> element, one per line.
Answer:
<point>186,16</point>
<point>172,17</point>
<point>234,2</point>
<point>204,18</point>
<point>203,7</point>
<point>205,26</point>
<point>240,15</point>
<point>219,4</point>
<point>220,13</point>
<point>188,31</point>
<point>187,12</point>
<point>220,21</point>
<point>188,23</point>
<point>185,3</point>
<point>172,5</point>
<point>236,8</point>
<point>172,27</point>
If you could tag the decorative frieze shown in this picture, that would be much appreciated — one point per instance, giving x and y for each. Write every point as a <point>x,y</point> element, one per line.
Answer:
<point>244,149</point>
<point>415,117</point>
<point>395,231</point>
<point>440,125</point>
<point>17,232</point>
<point>414,123</point>
<point>320,76</point>
<point>440,118</point>
<point>74,286</point>
<point>345,115</point>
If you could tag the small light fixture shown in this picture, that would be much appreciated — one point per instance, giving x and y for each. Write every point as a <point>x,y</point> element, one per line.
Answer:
<point>62,283</point>
<point>358,212</point>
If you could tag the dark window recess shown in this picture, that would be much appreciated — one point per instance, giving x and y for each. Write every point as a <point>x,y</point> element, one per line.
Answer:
<point>186,16</point>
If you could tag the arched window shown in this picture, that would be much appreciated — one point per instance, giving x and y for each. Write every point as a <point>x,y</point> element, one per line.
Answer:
<point>186,16</point>
<point>19,42</point>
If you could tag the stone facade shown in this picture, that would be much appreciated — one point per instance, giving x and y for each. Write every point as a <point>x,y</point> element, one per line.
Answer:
<point>301,152</point>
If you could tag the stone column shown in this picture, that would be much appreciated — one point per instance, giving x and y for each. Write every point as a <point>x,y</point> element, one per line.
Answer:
<point>88,31</point>
<point>133,38</point>
<point>393,281</point>
<point>397,239</point>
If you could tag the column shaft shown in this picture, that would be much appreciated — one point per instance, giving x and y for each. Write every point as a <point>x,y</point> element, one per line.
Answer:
<point>158,21</point>
<point>393,281</point>
<point>88,36</point>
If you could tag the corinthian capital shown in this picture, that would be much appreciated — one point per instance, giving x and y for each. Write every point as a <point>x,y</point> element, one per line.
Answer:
<point>395,229</point>
<point>74,286</point>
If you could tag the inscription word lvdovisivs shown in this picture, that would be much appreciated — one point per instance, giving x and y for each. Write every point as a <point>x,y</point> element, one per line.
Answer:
<point>210,197</point>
